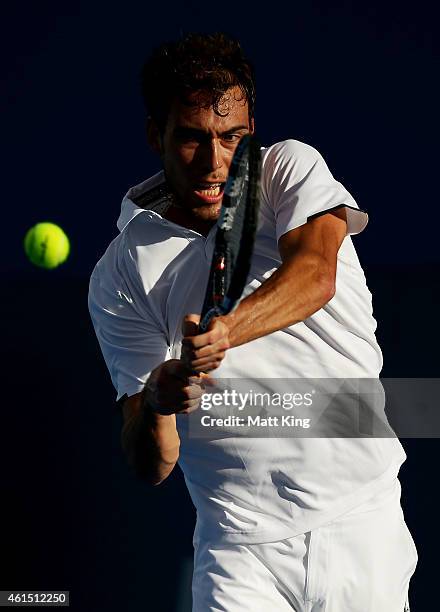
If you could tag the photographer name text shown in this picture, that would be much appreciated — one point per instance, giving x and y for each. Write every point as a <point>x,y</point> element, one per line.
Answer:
<point>287,420</point>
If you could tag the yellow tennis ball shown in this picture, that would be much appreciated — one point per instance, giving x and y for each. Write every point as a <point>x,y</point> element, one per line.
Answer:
<point>46,245</point>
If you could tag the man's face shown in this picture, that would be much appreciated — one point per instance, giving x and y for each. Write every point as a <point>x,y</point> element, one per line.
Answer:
<point>197,149</point>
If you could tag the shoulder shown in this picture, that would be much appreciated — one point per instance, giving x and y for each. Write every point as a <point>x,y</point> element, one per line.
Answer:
<point>286,164</point>
<point>293,152</point>
<point>107,271</point>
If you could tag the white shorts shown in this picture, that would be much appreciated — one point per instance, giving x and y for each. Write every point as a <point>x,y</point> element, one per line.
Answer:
<point>361,562</point>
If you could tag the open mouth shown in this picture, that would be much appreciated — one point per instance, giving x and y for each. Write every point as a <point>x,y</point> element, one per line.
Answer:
<point>209,190</point>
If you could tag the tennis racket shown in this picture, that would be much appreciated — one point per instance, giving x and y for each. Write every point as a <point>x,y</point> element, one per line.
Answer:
<point>235,235</point>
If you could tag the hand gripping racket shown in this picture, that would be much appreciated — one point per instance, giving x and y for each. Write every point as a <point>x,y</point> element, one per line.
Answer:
<point>236,227</point>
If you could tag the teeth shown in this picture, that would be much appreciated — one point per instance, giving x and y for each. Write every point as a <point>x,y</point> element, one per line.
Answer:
<point>210,192</point>
<point>209,189</point>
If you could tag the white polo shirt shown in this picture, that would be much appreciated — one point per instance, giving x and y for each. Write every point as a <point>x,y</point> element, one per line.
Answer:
<point>155,272</point>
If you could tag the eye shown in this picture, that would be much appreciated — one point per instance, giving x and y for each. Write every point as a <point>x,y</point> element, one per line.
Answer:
<point>231,137</point>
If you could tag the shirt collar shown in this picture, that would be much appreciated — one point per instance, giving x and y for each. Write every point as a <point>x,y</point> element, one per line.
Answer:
<point>130,210</point>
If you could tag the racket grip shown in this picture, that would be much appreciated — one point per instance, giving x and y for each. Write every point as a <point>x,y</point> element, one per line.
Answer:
<point>206,320</point>
<point>217,311</point>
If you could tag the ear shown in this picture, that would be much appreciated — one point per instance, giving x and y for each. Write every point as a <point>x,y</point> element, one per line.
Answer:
<point>252,125</point>
<point>154,137</point>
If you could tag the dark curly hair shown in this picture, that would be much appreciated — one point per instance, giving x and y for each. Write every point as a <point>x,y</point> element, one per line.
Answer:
<point>208,64</point>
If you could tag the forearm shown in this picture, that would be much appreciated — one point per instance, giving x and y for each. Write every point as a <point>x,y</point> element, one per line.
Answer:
<point>296,290</point>
<point>151,443</point>
<point>303,284</point>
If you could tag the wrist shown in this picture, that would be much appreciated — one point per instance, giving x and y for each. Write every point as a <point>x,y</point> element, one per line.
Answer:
<point>151,415</point>
<point>229,321</point>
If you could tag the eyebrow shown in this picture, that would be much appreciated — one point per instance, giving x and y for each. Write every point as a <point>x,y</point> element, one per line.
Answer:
<point>189,129</point>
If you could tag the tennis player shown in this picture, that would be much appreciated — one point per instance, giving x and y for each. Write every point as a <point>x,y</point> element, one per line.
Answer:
<point>300,523</point>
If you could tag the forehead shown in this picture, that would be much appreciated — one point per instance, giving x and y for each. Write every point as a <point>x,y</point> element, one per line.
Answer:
<point>197,111</point>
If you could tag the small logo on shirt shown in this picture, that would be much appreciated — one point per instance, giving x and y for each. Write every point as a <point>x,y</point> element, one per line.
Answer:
<point>122,296</point>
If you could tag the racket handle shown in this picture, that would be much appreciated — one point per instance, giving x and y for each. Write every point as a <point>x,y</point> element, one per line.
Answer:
<point>218,310</point>
<point>206,320</point>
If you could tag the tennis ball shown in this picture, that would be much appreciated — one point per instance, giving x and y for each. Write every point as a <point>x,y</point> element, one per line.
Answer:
<point>46,245</point>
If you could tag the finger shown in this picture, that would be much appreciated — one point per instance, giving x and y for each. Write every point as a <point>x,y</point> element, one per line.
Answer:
<point>208,381</point>
<point>189,405</point>
<point>198,341</point>
<point>197,379</point>
<point>200,362</point>
<point>190,325</point>
<point>186,354</point>
<point>193,392</point>
<point>210,349</point>
<point>175,396</point>
<point>178,369</point>
<point>208,367</point>
<point>190,408</point>
<point>203,380</point>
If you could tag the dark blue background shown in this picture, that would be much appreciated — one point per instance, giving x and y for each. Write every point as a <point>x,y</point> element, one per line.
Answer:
<point>355,80</point>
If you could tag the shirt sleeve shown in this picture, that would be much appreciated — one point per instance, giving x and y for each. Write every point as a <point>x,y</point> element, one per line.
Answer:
<point>132,342</point>
<point>298,185</point>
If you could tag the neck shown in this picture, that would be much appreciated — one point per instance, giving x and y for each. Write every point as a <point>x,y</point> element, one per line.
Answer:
<point>187,219</point>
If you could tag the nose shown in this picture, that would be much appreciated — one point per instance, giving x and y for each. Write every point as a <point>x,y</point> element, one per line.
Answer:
<point>213,157</point>
<point>216,161</point>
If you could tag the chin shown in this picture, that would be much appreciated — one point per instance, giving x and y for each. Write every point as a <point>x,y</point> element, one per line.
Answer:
<point>207,212</point>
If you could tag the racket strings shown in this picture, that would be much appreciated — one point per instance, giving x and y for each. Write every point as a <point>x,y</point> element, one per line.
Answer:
<point>236,230</point>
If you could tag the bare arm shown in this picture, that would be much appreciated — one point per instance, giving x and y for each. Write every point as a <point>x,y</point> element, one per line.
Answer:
<point>149,439</point>
<point>149,433</point>
<point>303,284</point>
